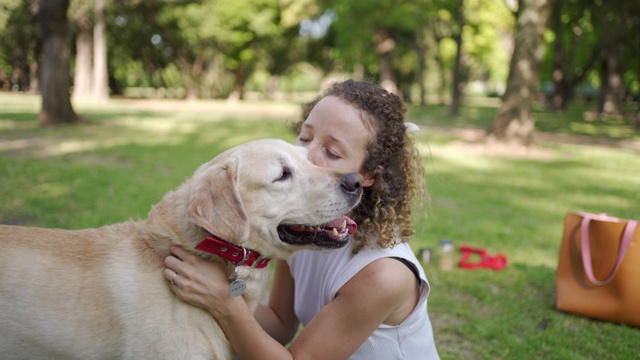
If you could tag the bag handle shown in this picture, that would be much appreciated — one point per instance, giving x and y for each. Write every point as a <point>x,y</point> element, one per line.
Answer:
<point>586,250</point>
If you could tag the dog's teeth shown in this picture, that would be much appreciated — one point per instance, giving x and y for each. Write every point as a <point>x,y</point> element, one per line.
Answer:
<point>334,233</point>
<point>344,224</point>
<point>318,228</point>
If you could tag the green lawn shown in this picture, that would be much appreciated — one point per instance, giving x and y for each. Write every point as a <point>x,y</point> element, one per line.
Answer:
<point>129,153</point>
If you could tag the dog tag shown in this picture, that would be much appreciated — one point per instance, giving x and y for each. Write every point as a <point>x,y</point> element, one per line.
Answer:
<point>237,287</point>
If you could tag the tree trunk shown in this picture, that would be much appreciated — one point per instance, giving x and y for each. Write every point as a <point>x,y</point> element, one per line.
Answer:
<point>636,123</point>
<point>55,81</point>
<point>34,67</point>
<point>612,89</point>
<point>100,72</point>
<point>35,47</point>
<point>514,123</point>
<point>387,79</point>
<point>442,72</point>
<point>560,95</point>
<point>272,87</point>
<point>457,83</point>
<point>5,84</point>
<point>421,50</point>
<point>191,84</point>
<point>192,69</point>
<point>241,77</point>
<point>564,80</point>
<point>82,86</point>
<point>384,44</point>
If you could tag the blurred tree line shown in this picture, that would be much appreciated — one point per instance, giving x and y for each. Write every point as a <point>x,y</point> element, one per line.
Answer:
<point>521,50</point>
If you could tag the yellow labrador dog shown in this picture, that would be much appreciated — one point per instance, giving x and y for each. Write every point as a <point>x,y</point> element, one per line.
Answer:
<point>100,293</point>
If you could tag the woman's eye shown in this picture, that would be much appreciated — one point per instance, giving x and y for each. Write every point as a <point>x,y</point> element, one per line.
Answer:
<point>303,140</point>
<point>285,175</point>
<point>332,155</point>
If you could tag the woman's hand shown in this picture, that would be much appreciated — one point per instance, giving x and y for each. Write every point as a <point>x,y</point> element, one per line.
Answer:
<point>205,285</point>
<point>196,281</point>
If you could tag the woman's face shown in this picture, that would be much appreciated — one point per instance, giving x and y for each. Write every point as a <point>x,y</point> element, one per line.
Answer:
<point>335,136</point>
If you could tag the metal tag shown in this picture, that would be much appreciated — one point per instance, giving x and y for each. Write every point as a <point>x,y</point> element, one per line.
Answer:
<point>237,287</point>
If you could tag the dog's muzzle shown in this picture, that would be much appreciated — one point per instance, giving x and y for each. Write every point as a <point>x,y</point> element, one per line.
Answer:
<point>333,235</point>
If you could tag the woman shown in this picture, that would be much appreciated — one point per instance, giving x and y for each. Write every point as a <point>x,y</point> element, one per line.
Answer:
<point>364,301</point>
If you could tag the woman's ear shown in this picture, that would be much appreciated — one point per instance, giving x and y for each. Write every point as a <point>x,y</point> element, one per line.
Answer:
<point>369,178</point>
<point>368,181</point>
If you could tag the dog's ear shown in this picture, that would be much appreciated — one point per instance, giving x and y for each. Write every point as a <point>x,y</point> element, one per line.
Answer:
<point>216,205</point>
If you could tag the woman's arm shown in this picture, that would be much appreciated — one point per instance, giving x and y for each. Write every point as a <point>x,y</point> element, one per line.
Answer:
<point>278,319</point>
<point>381,292</point>
<point>371,297</point>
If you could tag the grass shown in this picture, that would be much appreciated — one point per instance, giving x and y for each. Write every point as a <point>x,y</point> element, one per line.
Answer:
<point>130,153</point>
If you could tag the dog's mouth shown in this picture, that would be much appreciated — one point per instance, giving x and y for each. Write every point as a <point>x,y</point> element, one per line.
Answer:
<point>331,236</point>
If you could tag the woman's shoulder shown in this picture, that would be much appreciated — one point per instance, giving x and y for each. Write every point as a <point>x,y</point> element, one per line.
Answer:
<point>384,278</point>
<point>399,250</point>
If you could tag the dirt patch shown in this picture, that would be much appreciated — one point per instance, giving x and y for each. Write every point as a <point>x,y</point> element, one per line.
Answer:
<point>18,220</point>
<point>236,108</point>
<point>474,141</point>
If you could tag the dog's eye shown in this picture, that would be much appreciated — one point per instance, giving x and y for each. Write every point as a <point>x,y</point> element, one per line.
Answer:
<point>285,175</point>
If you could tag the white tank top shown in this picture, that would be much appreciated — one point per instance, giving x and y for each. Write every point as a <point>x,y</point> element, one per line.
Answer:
<point>318,275</point>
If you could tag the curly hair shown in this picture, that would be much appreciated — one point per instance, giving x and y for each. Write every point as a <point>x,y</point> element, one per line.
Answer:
<point>393,159</point>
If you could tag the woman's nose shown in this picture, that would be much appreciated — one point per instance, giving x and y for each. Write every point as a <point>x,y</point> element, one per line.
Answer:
<point>314,155</point>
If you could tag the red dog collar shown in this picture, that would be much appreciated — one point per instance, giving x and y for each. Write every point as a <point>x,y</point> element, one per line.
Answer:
<point>238,255</point>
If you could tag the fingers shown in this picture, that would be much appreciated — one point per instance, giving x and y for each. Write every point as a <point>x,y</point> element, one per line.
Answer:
<point>170,275</point>
<point>180,260</point>
<point>176,265</point>
<point>181,253</point>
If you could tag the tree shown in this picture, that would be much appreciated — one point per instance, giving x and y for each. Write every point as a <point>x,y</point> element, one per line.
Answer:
<point>376,35</point>
<point>514,123</point>
<point>458,82</point>
<point>620,27</point>
<point>449,24</point>
<point>100,72</point>
<point>83,73</point>
<point>20,45</point>
<point>474,40</point>
<point>55,81</point>
<point>575,50</point>
<point>612,87</point>
<point>210,43</point>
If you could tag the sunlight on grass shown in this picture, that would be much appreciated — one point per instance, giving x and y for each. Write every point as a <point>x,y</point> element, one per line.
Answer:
<point>454,158</point>
<point>593,129</point>
<point>52,190</point>
<point>159,126</point>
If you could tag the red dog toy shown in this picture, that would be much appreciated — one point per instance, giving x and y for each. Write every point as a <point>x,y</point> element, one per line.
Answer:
<point>497,262</point>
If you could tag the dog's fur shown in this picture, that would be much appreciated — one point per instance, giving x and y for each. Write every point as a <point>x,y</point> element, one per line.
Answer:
<point>100,293</point>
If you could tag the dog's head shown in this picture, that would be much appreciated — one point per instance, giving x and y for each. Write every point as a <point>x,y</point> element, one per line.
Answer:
<point>267,196</point>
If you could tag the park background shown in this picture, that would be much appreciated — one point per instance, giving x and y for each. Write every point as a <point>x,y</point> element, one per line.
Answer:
<point>528,109</point>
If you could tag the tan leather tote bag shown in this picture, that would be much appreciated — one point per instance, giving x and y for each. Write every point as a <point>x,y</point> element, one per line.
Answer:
<point>598,273</point>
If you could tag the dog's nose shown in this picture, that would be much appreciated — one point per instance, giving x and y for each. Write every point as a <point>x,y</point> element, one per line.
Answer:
<point>351,183</point>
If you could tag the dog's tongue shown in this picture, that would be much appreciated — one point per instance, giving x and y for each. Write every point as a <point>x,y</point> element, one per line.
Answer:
<point>351,225</point>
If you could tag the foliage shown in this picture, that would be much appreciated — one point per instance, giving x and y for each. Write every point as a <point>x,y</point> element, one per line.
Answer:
<point>487,40</point>
<point>208,47</point>
<point>19,42</point>
<point>361,27</point>
<point>7,6</point>
<point>132,152</point>
<point>208,37</point>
